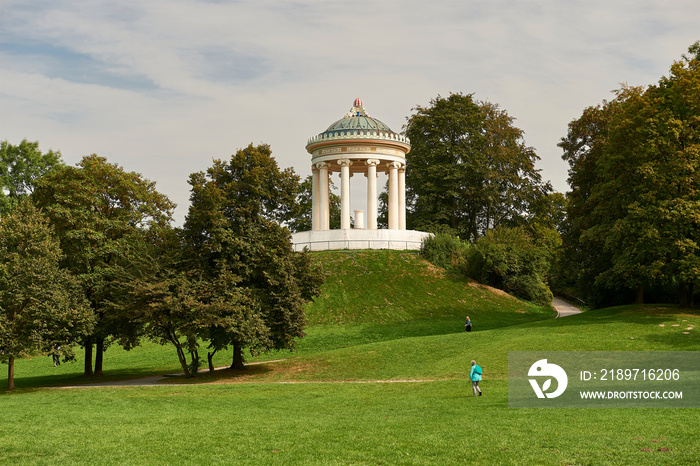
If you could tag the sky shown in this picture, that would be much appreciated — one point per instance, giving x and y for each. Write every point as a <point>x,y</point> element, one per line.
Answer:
<point>164,87</point>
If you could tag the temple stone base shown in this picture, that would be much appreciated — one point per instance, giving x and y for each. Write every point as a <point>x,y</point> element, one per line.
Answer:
<point>323,240</point>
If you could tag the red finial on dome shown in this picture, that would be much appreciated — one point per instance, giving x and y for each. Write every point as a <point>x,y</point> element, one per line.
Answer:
<point>358,102</point>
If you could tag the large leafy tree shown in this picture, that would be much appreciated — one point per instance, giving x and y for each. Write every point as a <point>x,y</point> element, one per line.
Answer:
<point>20,166</point>
<point>180,306</point>
<point>634,210</point>
<point>104,217</point>
<point>583,147</point>
<point>468,168</point>
<point>41,305</point>
<point>234,234</point>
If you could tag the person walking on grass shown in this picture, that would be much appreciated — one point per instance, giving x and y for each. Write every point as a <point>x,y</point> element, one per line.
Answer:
<point>468,325</point>
<point>475,377</point>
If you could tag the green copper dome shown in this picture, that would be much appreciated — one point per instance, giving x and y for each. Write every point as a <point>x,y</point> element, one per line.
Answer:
<point>357,124</point>
<point>357,118</point>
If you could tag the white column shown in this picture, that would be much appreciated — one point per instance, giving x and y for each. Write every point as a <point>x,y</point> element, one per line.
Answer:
<point>402,198</point>
<point>344,193</point>
<point>315,200</point>
<point>372,194</point>
<point>324,200</point>
<point>393,195</point>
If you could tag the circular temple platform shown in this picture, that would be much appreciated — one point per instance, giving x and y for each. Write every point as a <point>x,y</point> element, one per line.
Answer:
<point>323,240</point>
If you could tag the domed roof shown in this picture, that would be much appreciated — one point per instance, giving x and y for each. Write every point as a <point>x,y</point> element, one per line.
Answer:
<point>358,118</point>
<point>357,123</point>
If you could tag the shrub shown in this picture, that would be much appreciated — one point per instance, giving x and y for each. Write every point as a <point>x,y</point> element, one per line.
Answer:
<point>509,259</point>
<point>446,251</point>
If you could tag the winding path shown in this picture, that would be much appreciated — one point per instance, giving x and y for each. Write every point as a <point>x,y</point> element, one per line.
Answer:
<point>564,309</point>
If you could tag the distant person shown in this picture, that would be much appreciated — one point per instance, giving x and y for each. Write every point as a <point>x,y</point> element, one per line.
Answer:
<point>475,377</point>
<point>468,325</point>
<point>56,356</point>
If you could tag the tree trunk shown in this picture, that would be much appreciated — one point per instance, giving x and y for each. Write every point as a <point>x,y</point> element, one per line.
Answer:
<point>691,293</point>
<point>99,355</point>
<point>640,295</point>
<point>194,367</point>
<point>11,373</point>
<point>210,359</point>
<point>181,357</point>
<point>237,357</point>
<point>686,294</point>
<point>88,356</point>
<point>683,294</point>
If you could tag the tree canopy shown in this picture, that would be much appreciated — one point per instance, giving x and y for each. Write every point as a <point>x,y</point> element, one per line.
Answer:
<point>42,308</point>
<point>20,167</point>
<point>634,209</point>
<point>104,217</point>
<point>234,233</point>
<point>468,168</point>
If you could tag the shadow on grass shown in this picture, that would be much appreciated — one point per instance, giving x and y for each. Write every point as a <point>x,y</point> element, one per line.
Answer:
<point>77,378</point>
<point>226,375</point>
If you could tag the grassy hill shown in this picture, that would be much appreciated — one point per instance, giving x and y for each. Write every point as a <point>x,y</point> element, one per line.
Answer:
<point>399,286</point>
<point>372,296</point>
<point>383,316</point>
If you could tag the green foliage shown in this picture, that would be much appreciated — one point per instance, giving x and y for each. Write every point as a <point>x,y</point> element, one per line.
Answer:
<point>517,260</point>
<point>446,251</point>
<point>41,307</point>
<point>233,234</point>
<point>104,217</point>
<point>468,168</point>
<point>177,306</point>
<point>635,200</point>
<point>511,259</point>
<point>20,167</point>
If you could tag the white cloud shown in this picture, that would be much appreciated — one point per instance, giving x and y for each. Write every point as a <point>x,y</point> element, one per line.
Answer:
<point>163,87</point>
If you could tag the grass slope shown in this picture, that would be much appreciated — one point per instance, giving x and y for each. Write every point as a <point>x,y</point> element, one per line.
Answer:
<point>381,287</point>
<point>372,296</point>
<point>269,419</point>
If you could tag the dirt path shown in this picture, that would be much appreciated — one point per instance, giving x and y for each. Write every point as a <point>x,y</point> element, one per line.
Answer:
<point>564,309</point>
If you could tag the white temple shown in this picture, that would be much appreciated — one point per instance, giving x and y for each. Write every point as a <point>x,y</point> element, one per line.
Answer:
<point>358,143</point>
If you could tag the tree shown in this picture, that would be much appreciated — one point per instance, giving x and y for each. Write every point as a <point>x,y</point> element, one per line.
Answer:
<point>233,230</point>
<point>20,167</point>
<point>633,211</point>
<point>41,305</point>
<point>104,218</point>
<point>302,220</point>
<point>468,167</point>
<point>581,261</point>
<point>178,305</point>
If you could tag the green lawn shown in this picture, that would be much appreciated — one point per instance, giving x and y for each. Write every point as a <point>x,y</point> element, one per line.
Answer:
<point>259,416</point>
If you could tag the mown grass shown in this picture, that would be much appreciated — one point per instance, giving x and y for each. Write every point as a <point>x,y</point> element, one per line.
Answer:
<point>419,423</point>
<point>298,412</point>
<point>384,287</point>
<point>445,357</point>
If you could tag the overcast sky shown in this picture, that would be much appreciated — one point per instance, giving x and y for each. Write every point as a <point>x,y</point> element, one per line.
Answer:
<point>163,87</point>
